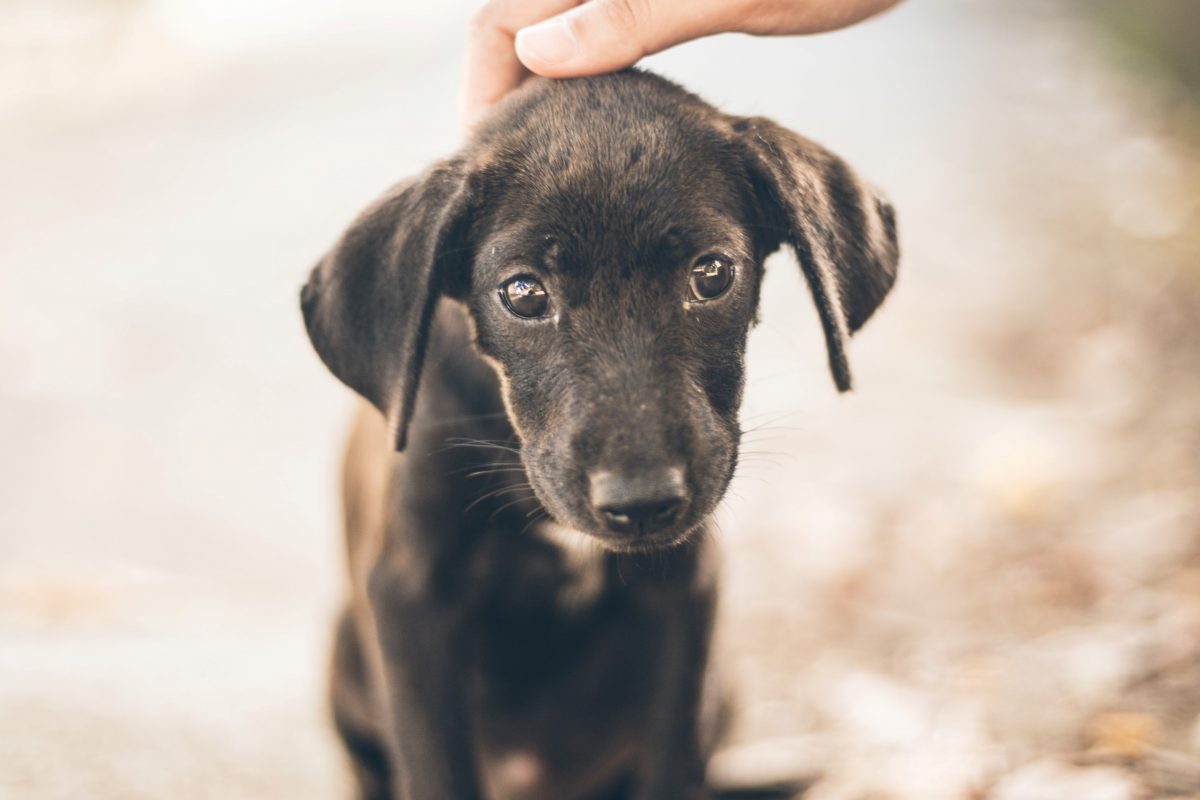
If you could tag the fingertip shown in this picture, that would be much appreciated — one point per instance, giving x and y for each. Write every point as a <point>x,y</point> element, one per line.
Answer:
<point>548,45</point>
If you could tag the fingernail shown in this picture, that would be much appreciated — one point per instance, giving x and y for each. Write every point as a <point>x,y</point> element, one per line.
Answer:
<point>550,42</point>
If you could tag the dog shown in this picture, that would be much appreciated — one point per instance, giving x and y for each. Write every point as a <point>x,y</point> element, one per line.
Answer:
<point>532,585</point>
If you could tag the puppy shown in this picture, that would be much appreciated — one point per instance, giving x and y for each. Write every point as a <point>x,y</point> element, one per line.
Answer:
<point>533,589</point>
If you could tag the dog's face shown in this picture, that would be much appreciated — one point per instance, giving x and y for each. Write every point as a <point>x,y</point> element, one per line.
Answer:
<point>612,287</point>
<point>607,237</point>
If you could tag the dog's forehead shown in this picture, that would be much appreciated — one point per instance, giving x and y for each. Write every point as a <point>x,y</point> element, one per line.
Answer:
<point>628,114</point>
<point>615,169</point>
<point>620,130</point>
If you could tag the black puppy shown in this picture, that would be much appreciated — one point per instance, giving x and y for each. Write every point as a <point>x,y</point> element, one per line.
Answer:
<point>572,292</point>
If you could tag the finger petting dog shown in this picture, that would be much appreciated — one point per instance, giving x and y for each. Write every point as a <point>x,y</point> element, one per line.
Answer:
<point>548,331</point>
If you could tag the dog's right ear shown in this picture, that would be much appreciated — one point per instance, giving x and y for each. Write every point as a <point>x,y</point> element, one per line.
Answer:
<point>368,303</point>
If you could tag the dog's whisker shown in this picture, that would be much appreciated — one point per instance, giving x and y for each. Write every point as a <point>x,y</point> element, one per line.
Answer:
<point>621,569</point>
<point>740,474</point>
<point>482,445</point>
<point>508,451</point>
<point>764,429</point>
<point>479,473</point>
<point>511,503</point>
<point>468,441</point>
<point>716,526</point>
<point>746,416</point>
<point>756,456</point>
<point>496,493</point>
<point>482,464</point>
<point>767,412</point>
<point>773,453</point>
<point>771,423</point>
<point>755,461</point>
<point>505,460</point>
<point>538,514</point>
<point>748,477</point>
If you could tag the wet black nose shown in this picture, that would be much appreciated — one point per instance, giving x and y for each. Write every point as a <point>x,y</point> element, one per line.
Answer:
<point>638,502</point>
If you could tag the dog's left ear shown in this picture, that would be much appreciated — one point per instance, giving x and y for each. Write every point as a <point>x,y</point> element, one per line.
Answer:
<point>368,303</point>
<point>843,231</point>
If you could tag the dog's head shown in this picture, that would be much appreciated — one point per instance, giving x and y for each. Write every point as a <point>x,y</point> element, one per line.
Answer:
<point>607,235</point>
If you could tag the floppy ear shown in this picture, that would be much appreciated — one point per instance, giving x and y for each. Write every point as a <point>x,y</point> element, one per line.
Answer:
<point>368,303</point>
<point>843,232</point>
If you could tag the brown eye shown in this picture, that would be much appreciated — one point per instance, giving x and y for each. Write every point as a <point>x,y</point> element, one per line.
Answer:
<point>525,296</point>
<point>711,276</point>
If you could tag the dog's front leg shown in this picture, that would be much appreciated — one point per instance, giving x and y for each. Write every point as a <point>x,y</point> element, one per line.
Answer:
<point>673,763</point>
<point>420,639</point>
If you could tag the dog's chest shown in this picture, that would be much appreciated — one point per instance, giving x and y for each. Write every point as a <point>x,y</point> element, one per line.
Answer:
<point>560,639</point>
<point>547,576</point>
<point>542,603</point>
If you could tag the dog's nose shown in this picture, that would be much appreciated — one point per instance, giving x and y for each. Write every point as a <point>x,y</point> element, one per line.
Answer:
<point>638,502</point>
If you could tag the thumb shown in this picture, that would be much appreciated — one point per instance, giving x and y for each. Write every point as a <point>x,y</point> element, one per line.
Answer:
<point>606,35</point>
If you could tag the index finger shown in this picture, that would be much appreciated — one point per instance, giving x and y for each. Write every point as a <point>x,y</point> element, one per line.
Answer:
<point>493,69</point>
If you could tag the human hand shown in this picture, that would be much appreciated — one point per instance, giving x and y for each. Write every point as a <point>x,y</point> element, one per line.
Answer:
<point>511,39</point>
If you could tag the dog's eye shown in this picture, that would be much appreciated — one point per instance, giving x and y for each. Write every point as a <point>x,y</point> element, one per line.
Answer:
<point>525,296</point>
<point>710,277</point>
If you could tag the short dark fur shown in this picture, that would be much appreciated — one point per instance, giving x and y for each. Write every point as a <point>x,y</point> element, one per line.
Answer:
<point>481,656</point>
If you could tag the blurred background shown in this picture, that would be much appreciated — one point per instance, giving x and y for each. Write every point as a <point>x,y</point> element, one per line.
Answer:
<point>976,577</point>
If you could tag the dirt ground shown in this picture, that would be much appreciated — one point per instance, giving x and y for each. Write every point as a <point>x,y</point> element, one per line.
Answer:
<point>977,577</point>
